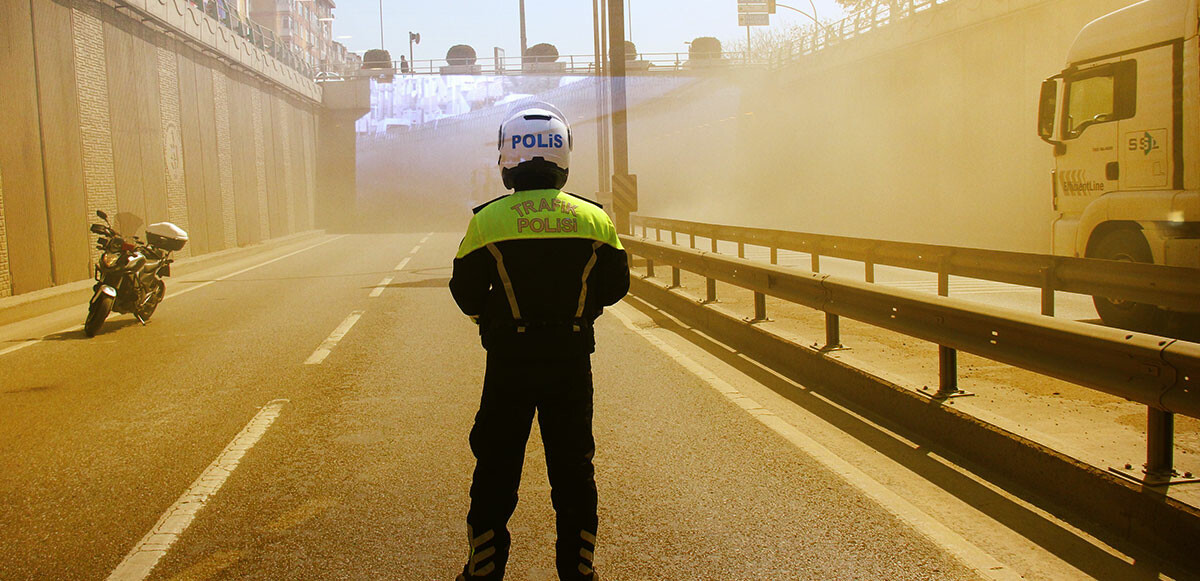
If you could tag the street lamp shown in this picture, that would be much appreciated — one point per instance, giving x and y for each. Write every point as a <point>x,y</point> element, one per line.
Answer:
<point>812,17</point>
<point>524,42</point>
<point>413,38</point>
<point>380,23</point>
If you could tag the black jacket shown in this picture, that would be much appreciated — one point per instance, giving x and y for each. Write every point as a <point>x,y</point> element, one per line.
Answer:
<point>545,265</point>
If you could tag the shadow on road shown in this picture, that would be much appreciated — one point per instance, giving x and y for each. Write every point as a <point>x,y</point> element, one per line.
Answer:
<point>110,326</point>
<point>427,283</point>
<point>1052,536</point>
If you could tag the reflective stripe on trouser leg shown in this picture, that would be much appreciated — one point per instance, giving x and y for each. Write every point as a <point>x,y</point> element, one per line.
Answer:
<point>586,551</point>
<point>508,288</point>
<point>476,557</point>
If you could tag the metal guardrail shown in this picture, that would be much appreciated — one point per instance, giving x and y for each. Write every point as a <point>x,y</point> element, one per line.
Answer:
<point>1166,286</point>
<point>1161,373</point>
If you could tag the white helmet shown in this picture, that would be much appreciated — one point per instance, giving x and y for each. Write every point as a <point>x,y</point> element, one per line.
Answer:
<point>538,132</point>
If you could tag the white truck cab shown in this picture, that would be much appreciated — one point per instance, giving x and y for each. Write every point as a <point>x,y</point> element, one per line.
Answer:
<point>1126,134</point>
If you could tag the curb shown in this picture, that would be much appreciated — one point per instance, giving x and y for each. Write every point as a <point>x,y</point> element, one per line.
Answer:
<point>40,302</point>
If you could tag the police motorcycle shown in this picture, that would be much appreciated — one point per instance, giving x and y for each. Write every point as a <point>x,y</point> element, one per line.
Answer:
<point>129,274</point>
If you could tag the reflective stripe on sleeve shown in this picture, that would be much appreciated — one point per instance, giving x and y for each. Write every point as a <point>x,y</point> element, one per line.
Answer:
<point>587,271</point>
<point>508,288</point>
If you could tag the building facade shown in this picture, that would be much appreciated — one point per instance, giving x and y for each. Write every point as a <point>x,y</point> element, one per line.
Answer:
<point>306,25</point>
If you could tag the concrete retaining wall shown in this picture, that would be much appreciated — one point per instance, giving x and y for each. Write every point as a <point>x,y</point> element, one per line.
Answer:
<point>103,112</point>
<point>922,130</point>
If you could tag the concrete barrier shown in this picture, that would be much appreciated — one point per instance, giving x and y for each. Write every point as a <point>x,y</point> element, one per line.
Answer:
<point>104,112</point>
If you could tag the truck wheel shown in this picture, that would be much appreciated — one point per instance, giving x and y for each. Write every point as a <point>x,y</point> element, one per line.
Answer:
<point>1130,246</point>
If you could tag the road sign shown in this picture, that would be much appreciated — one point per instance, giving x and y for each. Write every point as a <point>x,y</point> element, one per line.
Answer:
<point>757,19</point>
<point>752,8</point>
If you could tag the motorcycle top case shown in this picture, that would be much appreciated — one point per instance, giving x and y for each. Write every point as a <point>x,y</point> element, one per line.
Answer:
<point>166,236</point>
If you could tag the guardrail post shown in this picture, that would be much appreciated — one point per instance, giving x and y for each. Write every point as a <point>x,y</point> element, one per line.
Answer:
<point>760,309</point>
<point>774,255</point>
<point>943,278</point>
<point>1160,453</point>
<point>692,238</point>
<point>714,244</point>
<point>741,249</point>
<point>658,235</point>
<point>643,230</point>
<point>673,242</point>
<point>947,357</point>
<point>649,268</point>
<point>1160,445</point>
<point>675,277</point>
<point>833,333</point>
<point>869,273</point>
<point>947,373</point>
<point>816,261</point>
<point>1048,292</point>
<point>710,291</point>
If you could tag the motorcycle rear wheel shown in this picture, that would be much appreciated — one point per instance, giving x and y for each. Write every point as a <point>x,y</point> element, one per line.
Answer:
<point>96,315</point>
<point>156,294</point>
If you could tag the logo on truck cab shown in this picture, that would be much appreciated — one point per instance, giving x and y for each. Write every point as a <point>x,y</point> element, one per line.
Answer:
<point>1145,143</point>
<point>1076,183</point>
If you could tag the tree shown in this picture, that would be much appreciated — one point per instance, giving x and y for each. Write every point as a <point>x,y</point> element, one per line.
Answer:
<point>541,53</point>
<point>460,54</point>
<point>704,47</point>
<point>855,5</point>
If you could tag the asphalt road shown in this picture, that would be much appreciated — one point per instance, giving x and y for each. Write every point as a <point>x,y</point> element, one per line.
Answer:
<point>359,466</point>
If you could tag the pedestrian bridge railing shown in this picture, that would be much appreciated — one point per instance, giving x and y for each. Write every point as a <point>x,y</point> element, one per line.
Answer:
<point>1160,373</point>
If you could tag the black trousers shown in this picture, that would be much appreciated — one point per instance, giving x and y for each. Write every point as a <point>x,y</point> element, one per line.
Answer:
<point>559,388</point>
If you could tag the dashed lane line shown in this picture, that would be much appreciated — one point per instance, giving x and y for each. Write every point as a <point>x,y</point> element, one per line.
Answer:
<point>248,269</point>
<point>140,561</point>
<point>969,554</point>
<point>330,342</point>
<point>378,290</point>
<point>413,252</point>
<point>25,344</point>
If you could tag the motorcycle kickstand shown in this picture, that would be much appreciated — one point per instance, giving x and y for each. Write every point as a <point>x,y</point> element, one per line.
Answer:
<point>138,316</point>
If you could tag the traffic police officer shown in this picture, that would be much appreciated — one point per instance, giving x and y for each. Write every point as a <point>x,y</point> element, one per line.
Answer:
<point>535,269</point>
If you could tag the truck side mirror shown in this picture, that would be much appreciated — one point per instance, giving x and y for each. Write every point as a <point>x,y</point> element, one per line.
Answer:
<point>1047,110</point>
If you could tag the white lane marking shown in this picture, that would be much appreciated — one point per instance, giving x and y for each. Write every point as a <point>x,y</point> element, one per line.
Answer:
<point>403,263</point>
<point>330,342</point>
<point>971,555</point>
<point>260,265</point>
<point>415,249</point>
<point>8,350</point>
<point>426,238</point>
<point>378,290</point>
<point>25,344</point>
<point>146,554</point>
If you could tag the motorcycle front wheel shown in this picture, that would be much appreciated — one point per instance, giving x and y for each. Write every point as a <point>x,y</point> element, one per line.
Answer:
<point>96,315</point>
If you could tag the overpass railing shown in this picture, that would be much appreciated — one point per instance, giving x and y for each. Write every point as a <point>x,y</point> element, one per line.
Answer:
<point>566,65</point>
<point>1160,373</point>
<point>1166,286</point>
<point>873,16</point>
